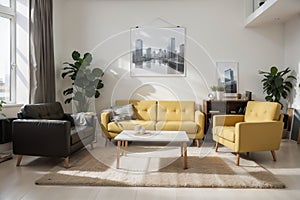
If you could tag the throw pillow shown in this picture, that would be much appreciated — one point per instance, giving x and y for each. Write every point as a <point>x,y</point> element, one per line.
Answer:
<point>120,113</point>
<point>83,119</point>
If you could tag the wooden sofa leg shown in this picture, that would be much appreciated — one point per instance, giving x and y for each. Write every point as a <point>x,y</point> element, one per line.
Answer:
<point>19,160</point>
<point>273,155</point>
<point>198,143</point>
<point>66,162</point>
<point>237,162</point>
<point>217,146</point>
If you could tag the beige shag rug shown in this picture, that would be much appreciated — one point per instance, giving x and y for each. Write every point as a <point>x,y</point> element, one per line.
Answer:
<point>160,167</point>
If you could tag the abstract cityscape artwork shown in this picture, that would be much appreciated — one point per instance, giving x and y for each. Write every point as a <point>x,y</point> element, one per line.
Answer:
<point>157,52</point>
<point>227,73</point>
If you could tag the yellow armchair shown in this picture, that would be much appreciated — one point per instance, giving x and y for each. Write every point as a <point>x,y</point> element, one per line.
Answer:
<point>260,129</point>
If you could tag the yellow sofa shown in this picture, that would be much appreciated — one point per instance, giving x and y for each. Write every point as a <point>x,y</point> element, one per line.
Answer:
<point>260,129</point>
<point>158,115</point>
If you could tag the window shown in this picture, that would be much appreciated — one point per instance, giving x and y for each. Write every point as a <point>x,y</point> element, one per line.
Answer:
<point>5,3</point>
<point>7,50</point>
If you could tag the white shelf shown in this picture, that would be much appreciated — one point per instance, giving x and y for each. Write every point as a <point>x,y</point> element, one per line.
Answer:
<point>272,12</point>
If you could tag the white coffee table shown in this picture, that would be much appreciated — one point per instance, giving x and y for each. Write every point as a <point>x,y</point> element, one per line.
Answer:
<point>152,136</point>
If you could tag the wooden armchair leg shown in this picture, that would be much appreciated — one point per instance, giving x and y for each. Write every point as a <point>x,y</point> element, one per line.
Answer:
<point>217,146</point>
<point>19,160</point>
<point>237,162</point>
<point>66,162</point>
<point>273,155</point>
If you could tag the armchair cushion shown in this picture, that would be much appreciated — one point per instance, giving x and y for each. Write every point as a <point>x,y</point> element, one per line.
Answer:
<point>262,111</point>
<point>225,132</point>
<point>43,111</point>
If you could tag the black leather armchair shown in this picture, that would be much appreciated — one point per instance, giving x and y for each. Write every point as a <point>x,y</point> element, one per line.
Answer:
<point>45,130</point>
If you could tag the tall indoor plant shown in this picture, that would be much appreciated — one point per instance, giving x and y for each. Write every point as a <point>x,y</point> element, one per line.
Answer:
<point>277,84</point>
<point>86,81</point>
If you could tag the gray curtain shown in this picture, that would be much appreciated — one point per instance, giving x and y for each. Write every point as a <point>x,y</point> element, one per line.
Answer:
<point>42,69</point>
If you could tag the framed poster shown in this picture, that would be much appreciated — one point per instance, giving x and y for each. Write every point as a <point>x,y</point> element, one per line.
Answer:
<point>157,52</point>
<point>227,74</point>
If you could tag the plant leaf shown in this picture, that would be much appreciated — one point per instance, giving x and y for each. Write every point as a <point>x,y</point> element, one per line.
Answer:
<point>273,70</point>
<point>100,84</point>
<point>97,94</point>
<point>68,100</point>
<point>66,73</point>
<point>76,55</point>
<point>68,91</point>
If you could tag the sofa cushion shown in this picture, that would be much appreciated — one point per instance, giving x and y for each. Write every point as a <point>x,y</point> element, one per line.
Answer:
<point>225,132</point>
<point>80,132</point>
<point>129,125</point>
<point>143,109</point>
<point>43,111</point>
<point>262,111</point>
<point>188,126</point>
<point>176,111</point>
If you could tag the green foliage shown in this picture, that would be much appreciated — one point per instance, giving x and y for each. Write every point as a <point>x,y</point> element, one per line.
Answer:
<point>214,88</point>
<point>86,81</point>
<point>221,88</point>
<point>277,84</point>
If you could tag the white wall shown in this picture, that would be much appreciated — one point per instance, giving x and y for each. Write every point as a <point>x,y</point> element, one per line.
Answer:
<point>292,53</point>
<point>214,32</point>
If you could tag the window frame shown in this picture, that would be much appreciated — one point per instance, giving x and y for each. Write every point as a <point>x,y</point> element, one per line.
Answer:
<point>10,13</point>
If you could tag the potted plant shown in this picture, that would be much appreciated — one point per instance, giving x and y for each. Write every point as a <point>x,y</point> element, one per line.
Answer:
<point>86,81</point>
<point>277,84</point>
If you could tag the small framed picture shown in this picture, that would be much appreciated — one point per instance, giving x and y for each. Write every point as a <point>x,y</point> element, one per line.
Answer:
<point>227,74</point>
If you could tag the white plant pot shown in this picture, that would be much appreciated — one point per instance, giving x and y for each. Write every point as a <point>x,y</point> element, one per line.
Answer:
<point>220,95</point>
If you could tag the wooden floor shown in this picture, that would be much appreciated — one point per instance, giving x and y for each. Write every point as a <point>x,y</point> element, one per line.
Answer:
<point>18,182</point>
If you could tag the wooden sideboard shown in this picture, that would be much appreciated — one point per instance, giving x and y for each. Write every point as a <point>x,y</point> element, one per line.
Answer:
<point>211,107</point>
